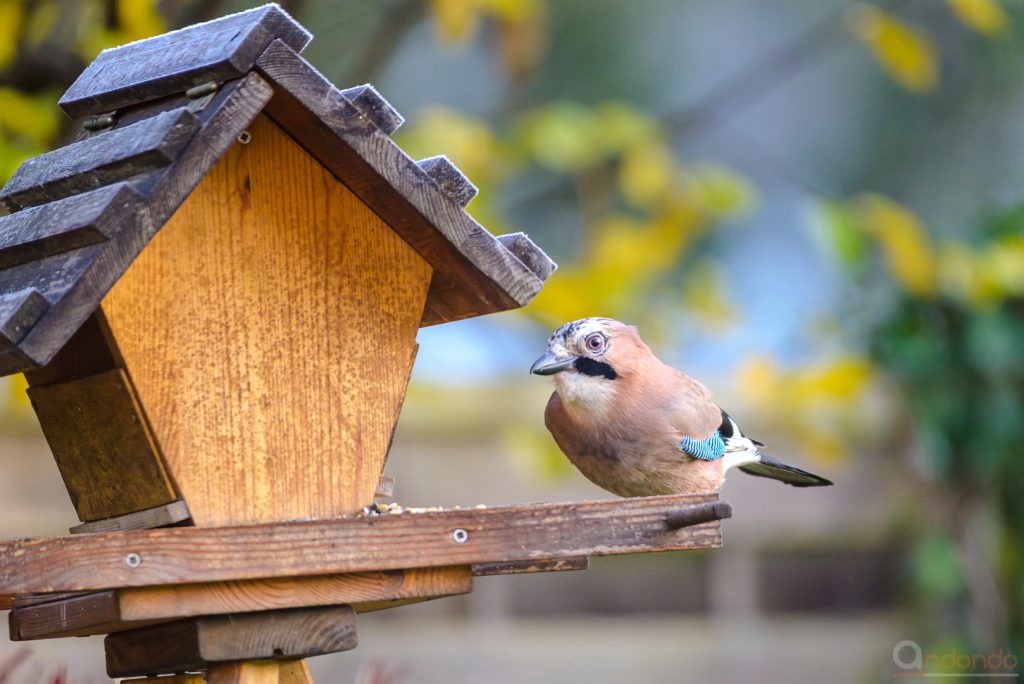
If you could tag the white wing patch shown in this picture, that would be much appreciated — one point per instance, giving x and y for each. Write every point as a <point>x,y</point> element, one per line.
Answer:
<point>739,449</point>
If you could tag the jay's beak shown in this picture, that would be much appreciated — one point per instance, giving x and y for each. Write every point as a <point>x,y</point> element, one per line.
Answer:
<point>549,364</point>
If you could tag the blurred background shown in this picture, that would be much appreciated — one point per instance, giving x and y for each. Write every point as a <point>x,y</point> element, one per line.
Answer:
<point>814,206</point>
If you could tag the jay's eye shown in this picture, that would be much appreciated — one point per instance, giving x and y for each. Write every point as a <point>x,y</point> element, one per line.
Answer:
<point>595,342</point>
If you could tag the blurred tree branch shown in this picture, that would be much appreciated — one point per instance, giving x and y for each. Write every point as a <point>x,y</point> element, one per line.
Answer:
<point>391,30</point>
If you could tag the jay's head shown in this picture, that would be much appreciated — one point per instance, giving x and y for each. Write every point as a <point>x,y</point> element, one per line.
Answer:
<point>591,351</point>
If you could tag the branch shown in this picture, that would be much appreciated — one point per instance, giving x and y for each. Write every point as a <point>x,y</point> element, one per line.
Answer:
<point>391,30</point>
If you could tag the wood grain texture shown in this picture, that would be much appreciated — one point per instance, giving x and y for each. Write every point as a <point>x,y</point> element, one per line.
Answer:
<point>100,160</point>
<point>195,643</point>
<point>90,351</point>
<point>63,617</point>
<point>19,311</point>
<point>386,486</point>
<point>449,179</point>
<point>473,273</point>
<point>250,672</point>
<point>295,672</point>
<point>58,227</point>
<point>217,50</point>
<point>52,249</point>
<point>534,259</point>
<point>192,678</point>
<point>273,368</point>
<point>374,107</point>
<point>114,611</point>
<point>23,600</point>
<point>48,250</point>
<point>103,446</point>
<point>357,544</point>
<point>159,516</point>
<point>530,566</point>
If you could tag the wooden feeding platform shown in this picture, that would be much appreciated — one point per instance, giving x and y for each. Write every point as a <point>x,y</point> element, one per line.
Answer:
<point>214,293</point>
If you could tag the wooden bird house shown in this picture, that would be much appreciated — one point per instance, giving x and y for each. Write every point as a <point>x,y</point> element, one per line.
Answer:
<point>214,293</point>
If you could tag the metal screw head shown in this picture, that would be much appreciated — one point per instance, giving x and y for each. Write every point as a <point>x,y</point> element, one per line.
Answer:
<point>460,536</point>
<point>245,137</point>
<point>133,560</point>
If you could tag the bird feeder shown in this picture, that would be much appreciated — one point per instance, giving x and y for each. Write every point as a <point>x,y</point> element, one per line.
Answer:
<point>214,293</point>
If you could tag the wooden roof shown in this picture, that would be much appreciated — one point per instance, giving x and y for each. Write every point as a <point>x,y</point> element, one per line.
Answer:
<point>161,112</point>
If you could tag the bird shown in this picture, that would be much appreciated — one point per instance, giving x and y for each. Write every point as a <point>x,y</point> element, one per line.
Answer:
<point>636,426</point>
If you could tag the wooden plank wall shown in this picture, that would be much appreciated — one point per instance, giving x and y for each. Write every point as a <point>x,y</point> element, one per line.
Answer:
<point>269,329</point>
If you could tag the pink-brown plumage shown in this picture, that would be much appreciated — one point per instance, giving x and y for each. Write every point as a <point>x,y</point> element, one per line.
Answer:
<point>619,414</point>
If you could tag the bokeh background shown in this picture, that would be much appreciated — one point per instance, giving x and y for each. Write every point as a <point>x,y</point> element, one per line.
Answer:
<point>815,206</point>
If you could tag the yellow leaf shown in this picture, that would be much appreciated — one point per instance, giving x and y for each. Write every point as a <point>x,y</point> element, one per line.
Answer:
<point>959,274</point>
<point>562,136</point>
<point>515,11</point>
<point>622,126</point>
<point>841,379</point>
<point>42,21</point>
<point>456,20</point>
<point>819,405</point>
<point>645,173</point>
<point>1004,263</point>
<point>704,296</point>
<point>468,142</point>
<point>906,54</point>
<point>10,29</point>
<point>760,379</point>
<point>33,117</point>
<point>627,250</point>
<point>720,192</point>
<point>901,235</point>
<point>576,293</point>
<point>984,16</point>
<point>139,19</point>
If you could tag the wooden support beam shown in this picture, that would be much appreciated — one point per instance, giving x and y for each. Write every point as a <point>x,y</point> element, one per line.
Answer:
<point>117,610</point>
<point>543,565</point>
<point>159,516</point>
<point>295,672</point>
<point>103,445</point>
<point>247,672</point>
<point>196,643</point>
<point>193,678</point>
<point>179,555</point>
<point>90,351</point>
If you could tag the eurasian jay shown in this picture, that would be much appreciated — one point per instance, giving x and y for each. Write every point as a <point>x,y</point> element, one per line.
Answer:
<point>638,427</point>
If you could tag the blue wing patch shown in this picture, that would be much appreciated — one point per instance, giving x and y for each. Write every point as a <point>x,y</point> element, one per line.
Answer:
<point>708,449</point>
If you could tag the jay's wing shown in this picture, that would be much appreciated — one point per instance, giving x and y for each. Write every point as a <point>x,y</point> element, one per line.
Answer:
<point>693,414</point>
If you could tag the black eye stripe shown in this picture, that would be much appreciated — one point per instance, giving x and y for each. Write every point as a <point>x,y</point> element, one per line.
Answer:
<point>595,368</point>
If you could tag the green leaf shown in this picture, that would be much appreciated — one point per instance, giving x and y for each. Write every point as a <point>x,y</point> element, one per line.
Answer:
<point>839,229</point>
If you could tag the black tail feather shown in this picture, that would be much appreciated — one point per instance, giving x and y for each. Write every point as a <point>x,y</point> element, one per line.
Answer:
<point>777,470</point>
